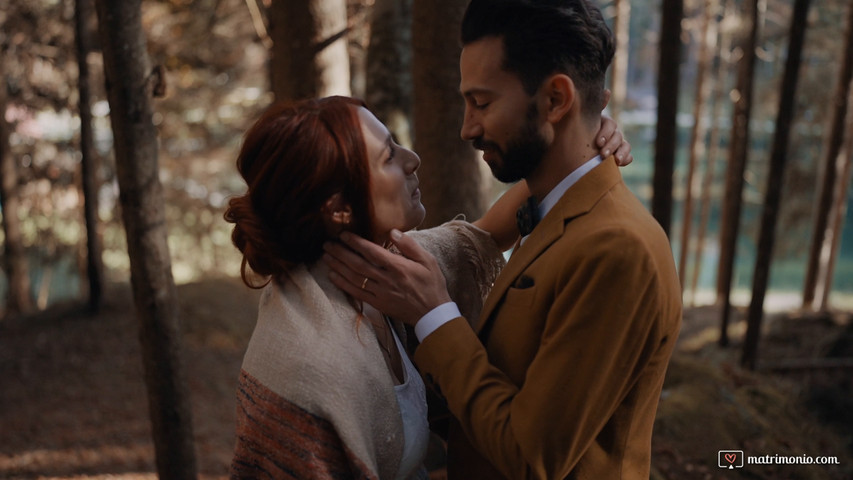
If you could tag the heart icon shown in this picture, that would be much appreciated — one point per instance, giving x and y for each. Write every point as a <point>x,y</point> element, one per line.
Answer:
<point>731,457</point>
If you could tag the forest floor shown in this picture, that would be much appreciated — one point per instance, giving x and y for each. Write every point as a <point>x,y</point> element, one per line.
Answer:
<point>73,404</point>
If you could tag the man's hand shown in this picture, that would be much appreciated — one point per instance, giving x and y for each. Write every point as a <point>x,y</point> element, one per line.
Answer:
<point>610,141</point>
<point>405,287</point>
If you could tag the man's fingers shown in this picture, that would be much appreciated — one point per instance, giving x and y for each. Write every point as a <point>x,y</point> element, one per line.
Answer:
<point>361,294</point>
<point>382,258</point>
<point>351,266</point>
<point>371,252</point>
<point>405,286</point>
<point>345,277</point>
<point>345,257</point>
<point>409,247</point>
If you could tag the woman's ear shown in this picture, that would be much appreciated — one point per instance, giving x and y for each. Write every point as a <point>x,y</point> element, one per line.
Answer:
<point>560,93</point>
<point>337,214</point>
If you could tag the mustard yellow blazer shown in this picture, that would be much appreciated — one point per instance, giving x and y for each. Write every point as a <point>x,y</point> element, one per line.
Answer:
<point>561,374</point>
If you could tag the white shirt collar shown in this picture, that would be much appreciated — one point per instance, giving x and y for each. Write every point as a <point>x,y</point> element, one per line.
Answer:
<point>557,192</point>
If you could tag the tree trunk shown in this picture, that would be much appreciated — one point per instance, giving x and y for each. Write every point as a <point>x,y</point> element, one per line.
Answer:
<point>309,56</point>
<point>619,68</point>
<point>697,135</point>
<point>389,67</point>
<point>451,174</point>
<point>19,298</point>
<point>738,152</point>
<point>723,56</point>
<point>94,264</point>
<point>141,195</point>
<point>838,213</point>
<point>669,62</point>
<point>773,193</point>
<point>821,235</point>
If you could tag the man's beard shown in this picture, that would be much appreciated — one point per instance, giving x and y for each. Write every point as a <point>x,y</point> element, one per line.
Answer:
<point>524,152</point>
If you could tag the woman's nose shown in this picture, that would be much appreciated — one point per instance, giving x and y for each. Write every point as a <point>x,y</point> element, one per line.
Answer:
<point>413,162</point>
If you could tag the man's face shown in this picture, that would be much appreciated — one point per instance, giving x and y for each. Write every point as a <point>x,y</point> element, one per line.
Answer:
<point>501,119</point>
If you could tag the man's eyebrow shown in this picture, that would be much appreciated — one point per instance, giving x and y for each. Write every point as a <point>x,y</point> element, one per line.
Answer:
<point>475,91</point>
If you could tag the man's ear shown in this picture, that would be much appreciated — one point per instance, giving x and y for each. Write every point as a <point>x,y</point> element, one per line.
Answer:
<point>560,95</point>
<point>337,213</point>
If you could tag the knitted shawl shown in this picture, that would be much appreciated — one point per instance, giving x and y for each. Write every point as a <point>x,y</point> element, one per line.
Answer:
<point>315,398</point>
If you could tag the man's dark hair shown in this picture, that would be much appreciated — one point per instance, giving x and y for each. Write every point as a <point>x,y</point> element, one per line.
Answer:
<point>543,37</point>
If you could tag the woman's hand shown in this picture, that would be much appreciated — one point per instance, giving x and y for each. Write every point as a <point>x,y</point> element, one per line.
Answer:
<point>610,141</point>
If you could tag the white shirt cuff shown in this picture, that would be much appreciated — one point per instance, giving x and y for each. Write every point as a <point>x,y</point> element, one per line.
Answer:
<point>435,318</point>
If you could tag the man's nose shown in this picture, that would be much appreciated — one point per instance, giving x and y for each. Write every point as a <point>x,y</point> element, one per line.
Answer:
<point>471,126</point>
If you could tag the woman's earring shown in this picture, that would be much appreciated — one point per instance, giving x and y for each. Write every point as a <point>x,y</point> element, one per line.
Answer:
<point>343,218</point>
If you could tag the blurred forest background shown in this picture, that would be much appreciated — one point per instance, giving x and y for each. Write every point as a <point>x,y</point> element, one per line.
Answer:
<point>744,158</point>
<point>217,76</point>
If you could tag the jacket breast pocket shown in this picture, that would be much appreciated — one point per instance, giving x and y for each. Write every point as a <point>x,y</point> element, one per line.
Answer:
<point>519,296</point>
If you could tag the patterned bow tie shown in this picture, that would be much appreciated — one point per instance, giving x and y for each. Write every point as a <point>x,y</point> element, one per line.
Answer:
<point>527,216</point>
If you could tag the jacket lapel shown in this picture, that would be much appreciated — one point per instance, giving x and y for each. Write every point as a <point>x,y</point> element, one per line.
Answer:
<point>578,200</point>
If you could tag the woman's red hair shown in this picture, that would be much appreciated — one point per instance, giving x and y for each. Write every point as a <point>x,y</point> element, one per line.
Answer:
<point>296,156</point>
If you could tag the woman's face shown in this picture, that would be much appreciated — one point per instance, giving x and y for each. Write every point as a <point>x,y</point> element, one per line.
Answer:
<point>393,182</point>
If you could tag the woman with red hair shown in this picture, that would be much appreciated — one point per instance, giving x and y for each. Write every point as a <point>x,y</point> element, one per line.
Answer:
<point>326,389</point>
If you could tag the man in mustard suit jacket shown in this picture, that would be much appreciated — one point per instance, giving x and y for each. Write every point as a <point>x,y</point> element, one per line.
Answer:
<point>561,375</point>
